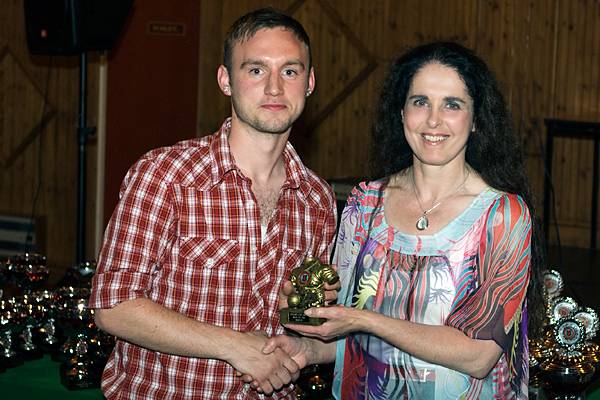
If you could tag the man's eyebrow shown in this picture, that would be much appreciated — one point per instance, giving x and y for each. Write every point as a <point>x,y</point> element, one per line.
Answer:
<point>260,63</point>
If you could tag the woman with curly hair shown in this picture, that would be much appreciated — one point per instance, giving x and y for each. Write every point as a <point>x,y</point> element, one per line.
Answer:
<point>437,255</point>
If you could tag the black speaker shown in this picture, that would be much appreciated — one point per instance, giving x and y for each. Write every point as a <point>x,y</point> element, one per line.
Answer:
<point>67,27</point>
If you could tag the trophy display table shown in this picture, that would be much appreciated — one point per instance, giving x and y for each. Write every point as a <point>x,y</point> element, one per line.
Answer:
<point>40,379</point>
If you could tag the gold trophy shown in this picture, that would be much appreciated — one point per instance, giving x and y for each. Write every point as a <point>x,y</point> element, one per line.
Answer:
<point>308,280</point>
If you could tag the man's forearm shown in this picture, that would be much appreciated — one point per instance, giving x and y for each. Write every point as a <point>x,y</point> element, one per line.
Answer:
<point>150,325</point>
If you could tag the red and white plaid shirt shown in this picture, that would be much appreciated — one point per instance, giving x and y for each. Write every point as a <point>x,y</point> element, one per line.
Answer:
<point>186,234</point>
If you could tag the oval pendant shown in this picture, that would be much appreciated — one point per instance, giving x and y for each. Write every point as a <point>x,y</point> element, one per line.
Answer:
<point>422,223</point>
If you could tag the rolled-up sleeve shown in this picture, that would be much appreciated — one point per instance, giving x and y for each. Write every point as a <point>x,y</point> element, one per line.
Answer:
<point>136,239</point>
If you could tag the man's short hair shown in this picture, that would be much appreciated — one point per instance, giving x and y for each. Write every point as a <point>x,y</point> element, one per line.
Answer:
<point>246,27</point>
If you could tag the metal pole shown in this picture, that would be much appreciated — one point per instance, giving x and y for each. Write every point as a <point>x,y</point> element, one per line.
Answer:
<point>82,134</point>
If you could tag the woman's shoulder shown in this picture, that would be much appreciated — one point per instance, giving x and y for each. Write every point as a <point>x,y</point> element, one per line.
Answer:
<point>509,205</point>
<point>367,192</point>
<point>509,200</point>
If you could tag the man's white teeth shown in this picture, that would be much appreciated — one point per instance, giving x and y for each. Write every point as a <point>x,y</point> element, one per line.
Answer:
<point>435,138</point>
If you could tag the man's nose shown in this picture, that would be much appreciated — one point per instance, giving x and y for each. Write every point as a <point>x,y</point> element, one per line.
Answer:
<point>274,85</point>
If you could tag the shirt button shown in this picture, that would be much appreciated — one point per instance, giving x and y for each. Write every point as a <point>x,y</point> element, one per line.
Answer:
<point>210,261</point>
<point>253,249</point>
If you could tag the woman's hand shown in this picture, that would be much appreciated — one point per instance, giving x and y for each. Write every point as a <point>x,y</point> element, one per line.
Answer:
<point>341,320</point>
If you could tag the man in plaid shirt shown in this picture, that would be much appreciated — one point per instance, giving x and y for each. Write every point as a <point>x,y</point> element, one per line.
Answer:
<point>207,231</point>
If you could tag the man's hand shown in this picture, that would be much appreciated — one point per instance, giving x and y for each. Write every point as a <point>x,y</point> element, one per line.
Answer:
<point>270,371</point>
<point>297,348</point>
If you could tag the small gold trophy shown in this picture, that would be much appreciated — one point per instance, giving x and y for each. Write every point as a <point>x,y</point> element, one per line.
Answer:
<point>308,281</point>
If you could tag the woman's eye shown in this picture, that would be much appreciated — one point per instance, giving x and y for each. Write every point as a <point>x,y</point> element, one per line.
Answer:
<point>453,106</point>
<point>420,102</point>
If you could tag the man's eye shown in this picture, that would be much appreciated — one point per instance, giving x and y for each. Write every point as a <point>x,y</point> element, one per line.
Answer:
<point>255,71</point>
<point>290,72</point>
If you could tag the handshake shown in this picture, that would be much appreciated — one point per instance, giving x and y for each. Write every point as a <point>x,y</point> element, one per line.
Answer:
<point>268,364</point>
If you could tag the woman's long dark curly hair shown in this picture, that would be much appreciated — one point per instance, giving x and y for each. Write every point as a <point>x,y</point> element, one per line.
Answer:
<point>492,149</point>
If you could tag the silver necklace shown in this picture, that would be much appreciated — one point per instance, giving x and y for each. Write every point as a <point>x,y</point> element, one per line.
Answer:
<point>423,222</point>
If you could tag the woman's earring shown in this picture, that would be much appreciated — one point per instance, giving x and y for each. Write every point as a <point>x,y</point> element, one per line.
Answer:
<point>226,89</point>
<point>308,92</point>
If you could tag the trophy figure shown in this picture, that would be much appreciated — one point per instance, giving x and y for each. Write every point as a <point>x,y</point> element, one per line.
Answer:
<point>33,314</point>
<point>48,334</point>
<point>10,327</point>
<point>79,275</point>
<point>74,318</point>
<point>314,382</point>
<point>4,277</point>
<point>29,271</point>
<point>308,281</point>
<point>83,370</point>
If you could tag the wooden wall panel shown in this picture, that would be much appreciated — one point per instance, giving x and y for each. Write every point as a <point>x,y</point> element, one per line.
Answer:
<point>545,54</point>
<point>577,84</point>
<point>46,157</point>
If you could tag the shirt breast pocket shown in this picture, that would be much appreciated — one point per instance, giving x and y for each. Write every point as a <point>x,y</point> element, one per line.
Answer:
<point>208,252</point>
<point>209,273</point>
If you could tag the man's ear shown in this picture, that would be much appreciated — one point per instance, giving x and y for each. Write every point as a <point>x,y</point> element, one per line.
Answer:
<point>311,81</point>
<point>223,80</point>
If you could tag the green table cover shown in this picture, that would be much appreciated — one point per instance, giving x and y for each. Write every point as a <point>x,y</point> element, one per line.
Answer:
<point>39,379</point>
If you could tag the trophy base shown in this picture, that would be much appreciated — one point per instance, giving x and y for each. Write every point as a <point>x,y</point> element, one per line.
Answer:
<point>33,354</point>
<point>297,316</point>
<point>14,361</point>
<point>75,377</point>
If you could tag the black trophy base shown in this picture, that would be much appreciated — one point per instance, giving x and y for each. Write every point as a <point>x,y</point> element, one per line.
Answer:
<point>31,354</point>
<point>12,361</point>
<point>297,316</point>
<point>76,376</point>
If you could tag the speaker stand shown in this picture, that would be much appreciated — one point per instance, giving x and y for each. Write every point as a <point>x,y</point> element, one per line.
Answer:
<point>83,133</point>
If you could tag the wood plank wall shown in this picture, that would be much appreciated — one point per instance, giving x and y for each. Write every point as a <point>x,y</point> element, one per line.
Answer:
<point>42,161</point>
<point>546,55</point>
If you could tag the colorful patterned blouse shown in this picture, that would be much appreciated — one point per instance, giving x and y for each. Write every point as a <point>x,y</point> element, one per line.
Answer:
<point>471,275</point>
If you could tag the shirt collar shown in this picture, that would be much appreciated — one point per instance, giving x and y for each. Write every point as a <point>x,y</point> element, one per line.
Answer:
<point>296,172</point>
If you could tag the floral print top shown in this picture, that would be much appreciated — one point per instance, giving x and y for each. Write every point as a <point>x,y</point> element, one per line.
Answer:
<point>471,275</point>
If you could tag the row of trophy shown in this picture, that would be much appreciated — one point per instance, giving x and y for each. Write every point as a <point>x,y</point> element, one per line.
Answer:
<point>56,322</point>
<point>565,360</point>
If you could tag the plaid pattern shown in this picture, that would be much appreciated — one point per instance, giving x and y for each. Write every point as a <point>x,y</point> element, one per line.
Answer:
<point>186,234</point>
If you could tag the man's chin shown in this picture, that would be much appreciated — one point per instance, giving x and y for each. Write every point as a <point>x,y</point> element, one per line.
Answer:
<point>273,128</point>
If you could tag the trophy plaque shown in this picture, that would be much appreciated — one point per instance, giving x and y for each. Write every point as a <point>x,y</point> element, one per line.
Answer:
<point>308,280</point>
<point>568,372</point>
<point>553,284</point>
<point>562,307</point>
<point>588,317</point>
